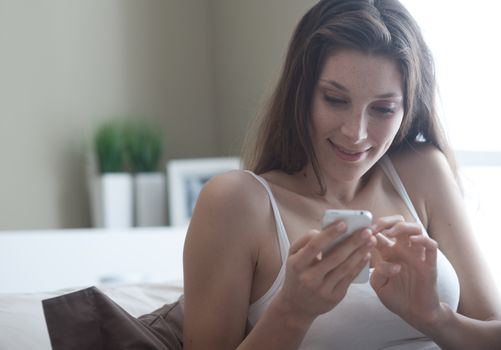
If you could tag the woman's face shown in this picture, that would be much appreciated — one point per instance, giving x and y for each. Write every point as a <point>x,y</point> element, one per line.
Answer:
<point>357,110</point>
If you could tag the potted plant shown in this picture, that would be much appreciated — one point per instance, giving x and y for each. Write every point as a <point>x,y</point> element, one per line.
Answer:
<point>145,145</point>
<point>111,183</point>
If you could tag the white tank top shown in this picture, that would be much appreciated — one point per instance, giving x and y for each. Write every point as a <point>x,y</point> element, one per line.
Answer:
<point>360,321</point>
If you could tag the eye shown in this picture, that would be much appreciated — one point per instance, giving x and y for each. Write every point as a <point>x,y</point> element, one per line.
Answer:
<point>386,111</point>
<point>334,100</point>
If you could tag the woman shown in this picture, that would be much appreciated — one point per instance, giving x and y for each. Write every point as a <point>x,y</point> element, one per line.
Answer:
<point>352,125</point>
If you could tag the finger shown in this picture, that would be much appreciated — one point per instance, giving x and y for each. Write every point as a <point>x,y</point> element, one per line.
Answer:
<point>309,252</point>
<point>404,229</point>
<point>357,245</point>
<point>384,247</point>
<point>382,265</point>
<point>302,241</point>
<point>417,249</point>
<point>376,252</point>
<point>387,268</point>
<point>382,273</point>
<point>420,252</point>
<point>348,269</point>
<point>337,293</point>
<point>341,287</point>
<point>431,248</point>
<point>378,280</point>
<point>386,222</point>
<point>383,241</point>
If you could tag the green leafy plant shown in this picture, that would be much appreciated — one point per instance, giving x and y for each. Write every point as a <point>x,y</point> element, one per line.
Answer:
<point>109,145</point>
<point>144,146</point>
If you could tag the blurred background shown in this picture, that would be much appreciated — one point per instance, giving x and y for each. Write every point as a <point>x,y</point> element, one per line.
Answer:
<point>198,68</point>
<point>201,69</point>
<point>463,37</point>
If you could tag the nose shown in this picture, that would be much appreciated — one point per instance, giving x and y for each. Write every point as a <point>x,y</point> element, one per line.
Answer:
<point>354,127</point>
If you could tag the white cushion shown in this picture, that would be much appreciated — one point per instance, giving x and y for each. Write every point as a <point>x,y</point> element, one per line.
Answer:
<point>22,322</point>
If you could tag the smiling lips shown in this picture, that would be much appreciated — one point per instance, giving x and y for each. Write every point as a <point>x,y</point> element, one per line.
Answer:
<point>349,155</point>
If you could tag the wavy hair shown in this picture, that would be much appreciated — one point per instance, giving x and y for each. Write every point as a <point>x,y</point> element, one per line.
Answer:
<point>281,138</point>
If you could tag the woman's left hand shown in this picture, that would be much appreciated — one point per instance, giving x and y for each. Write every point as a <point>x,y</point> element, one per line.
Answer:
<point>405,271</point>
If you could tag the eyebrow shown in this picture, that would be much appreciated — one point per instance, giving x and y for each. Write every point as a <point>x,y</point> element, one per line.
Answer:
<point>343,88</point>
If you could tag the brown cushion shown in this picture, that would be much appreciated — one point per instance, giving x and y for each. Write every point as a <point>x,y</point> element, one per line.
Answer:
<point>88,319</point>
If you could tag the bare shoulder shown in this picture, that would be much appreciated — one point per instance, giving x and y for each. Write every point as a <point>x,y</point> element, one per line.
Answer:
<point>423,167</point>
<point>229,209</point>
<point>427,177</point>
<point>234,182</point>
<point>233,192</point>
<point>421,155</point>
<point>220,256</point>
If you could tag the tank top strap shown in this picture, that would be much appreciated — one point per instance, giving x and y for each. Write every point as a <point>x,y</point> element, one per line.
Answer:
<point>391,173</point>
<point>283,239</point>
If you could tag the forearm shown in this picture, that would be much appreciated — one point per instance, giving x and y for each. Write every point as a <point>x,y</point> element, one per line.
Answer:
<point>277,329</point>
<point>455,331</point>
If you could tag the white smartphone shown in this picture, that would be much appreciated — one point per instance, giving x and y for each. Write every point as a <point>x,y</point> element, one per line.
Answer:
<point>355,220</point>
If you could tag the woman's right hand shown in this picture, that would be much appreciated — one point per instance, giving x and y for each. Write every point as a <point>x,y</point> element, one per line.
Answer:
<point>314,284</point>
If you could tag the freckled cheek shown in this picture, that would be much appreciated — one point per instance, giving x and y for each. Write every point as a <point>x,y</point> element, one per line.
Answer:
<point>385,132</point>
<point>324,122</point>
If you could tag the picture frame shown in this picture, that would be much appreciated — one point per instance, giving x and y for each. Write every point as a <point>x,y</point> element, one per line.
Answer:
<point>186,178</point>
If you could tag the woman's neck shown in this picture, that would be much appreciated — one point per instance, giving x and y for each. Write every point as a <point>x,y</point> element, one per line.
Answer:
<point>338,193</point>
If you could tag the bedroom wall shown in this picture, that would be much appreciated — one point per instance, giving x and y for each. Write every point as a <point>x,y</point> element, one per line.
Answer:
<point>251,39</point>
<point>200,68</point>
<point>68,65</point>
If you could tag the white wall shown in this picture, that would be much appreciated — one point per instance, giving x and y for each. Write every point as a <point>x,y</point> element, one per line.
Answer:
<point>201,68</point>
<point>251,39</point>
<point>68,65</point>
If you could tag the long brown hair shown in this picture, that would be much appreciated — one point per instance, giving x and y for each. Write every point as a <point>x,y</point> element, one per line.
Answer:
<point>281,139</point>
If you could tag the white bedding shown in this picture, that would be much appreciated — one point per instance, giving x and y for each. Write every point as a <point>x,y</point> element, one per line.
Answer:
<point>22,323</point>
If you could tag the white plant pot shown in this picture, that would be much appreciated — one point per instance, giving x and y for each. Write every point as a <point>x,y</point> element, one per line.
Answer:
<point>150,199</point>
<point>112,200</point>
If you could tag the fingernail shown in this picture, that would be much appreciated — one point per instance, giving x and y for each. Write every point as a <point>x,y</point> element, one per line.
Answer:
<point>365,235</point>
<point>389,232</point>
<point>395,268</point>
<point>341,226</point>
